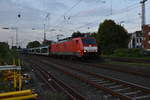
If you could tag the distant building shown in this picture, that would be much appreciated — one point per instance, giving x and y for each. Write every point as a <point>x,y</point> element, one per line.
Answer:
<point>146,40</point>
<point>135,40</point>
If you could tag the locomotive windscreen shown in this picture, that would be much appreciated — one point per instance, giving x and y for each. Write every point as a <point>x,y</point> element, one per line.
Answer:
<point>89,41</point>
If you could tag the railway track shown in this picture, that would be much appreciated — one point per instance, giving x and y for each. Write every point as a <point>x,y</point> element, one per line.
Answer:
<point>117,68</point>
<point>113,87</point>
<point>57,85</point>
<point>111,67</point>
<point>131,60</point>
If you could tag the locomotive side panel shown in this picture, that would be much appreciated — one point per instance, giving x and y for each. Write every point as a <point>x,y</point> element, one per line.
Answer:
<point>80,47</point>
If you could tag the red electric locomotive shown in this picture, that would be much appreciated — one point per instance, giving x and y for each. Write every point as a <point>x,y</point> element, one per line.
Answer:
<point>78,47</point>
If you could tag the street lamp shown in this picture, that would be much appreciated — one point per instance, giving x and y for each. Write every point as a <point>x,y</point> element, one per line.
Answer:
<point>13,28</point>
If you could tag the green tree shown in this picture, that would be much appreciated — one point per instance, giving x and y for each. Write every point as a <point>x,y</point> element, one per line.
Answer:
<point>5,53</point>
<point>93,34</point>
<point>47,42</point>
<point>111,36</point>
<point>33,44</point>
<point>4,49</point>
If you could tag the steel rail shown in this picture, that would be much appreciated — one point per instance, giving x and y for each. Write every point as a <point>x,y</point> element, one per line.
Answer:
<point>134,86</point>
<point>108,67</point>
<point>132,60</point>
<point>70,92</point>
<point>94,84</point>
<point>45,80</point>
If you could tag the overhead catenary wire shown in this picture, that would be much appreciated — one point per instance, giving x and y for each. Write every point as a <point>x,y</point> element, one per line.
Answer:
<point>122,11</point>
<point>102,1</point>
<point>62,16</point>
<point>126,9</point>
<point>72,16</point>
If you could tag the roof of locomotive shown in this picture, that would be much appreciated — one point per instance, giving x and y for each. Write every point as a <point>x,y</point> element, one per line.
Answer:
<point>70,38</point>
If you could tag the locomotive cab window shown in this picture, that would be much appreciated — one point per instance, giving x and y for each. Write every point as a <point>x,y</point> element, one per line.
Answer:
<point>89,41</point>
<point>77,41</point>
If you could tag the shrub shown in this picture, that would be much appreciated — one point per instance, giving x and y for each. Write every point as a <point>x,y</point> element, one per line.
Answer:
<point>6,55</point>
<point>131,53</point>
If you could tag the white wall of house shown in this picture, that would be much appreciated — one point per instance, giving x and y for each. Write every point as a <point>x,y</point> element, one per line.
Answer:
<point>135,41</point>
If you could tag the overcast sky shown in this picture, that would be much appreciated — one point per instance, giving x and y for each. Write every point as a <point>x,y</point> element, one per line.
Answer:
<point>65,17</point>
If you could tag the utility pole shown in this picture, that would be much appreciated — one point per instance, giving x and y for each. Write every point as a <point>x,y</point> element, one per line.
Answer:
<point>12,41</point>
<point>44,33</point>
<point>46,20</point>
<point>16,30</point>
<point>17,37</point>
<point>143,21</point>
<point>111,7</point>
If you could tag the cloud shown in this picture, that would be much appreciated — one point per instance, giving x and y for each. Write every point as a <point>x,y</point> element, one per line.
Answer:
<point>95,2</point>
<point>43,5</point>
<point>100,11</point>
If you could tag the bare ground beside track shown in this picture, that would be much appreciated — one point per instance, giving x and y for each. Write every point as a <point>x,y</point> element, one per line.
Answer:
<point>37,84</point>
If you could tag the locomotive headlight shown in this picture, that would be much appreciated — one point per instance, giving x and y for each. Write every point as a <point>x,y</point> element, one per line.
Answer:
<point>85,50</point>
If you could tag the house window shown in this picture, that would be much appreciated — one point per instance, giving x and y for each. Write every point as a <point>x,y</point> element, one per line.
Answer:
<point>149,42</point>
<point>140,40</point>
<point>137,41</point>
<point>148,33</point>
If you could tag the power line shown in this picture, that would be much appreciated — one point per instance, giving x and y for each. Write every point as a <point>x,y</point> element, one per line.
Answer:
<point>82,26</point>
<point>84,10</point>
<point>126,9</point>
<point>70,17</point>
<point>111,7</point>
<point>120,12</point>
<point>68,11</point>
<point>123,10</point>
